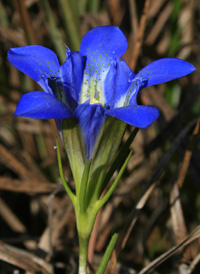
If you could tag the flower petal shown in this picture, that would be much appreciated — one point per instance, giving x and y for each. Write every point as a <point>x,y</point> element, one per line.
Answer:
<point>36,61</point>
<point>101,52</point>
<point>39,105</point>
<point>108,39</point>
<point>117,83</point>
<point>72,77</point>
<point>164,70</point>
<point>90,119</point>
<point>138,116</point>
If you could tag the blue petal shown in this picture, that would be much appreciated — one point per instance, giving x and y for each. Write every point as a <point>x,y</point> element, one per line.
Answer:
<point>109,87</point>
<point>102,46</point>
<point>39,105</point>
<point>108,39</point>
<point>117,83</point>
<point>138,116</point>
<point>137,84</point>
<point>164,70</point>
<point>36,61</point>
<point>72,77</point>
<point>90,118</point>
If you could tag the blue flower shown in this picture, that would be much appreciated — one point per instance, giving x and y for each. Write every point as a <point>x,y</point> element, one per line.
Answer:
<point>92,84</point>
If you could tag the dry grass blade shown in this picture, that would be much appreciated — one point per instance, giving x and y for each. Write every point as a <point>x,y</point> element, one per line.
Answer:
<point>187,156</point>
<point>134,215</point>
<point>124,189</point>
<point>112,266</point>
<point>13,36</point>
<point>24,260</point>
<point>155,7</point>
<point>27,187</point>
<point>10,218</point>
<point>50,218</point>
<point>193,264</point>
<point>193,236</point>
<point>177,217</point>
<point>171,129</point>
<point>34,127</point>
<point>187,26</point>
<point>158,26</point>
<point>59,216</point>
<point>152,96</point>
<point>184,166</point>
<point>12,162</point>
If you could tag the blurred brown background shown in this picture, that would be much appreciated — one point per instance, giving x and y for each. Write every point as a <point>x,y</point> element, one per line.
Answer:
<point>157,204</point>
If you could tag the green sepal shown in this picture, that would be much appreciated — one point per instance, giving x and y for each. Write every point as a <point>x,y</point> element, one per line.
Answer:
<point>120,157</point>
<point>83,188</point>
<point>74,147</point>
<point>107,254</point>
<point>105,150</point>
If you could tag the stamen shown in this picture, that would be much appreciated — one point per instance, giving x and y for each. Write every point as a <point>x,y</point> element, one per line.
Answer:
<point>93,101</point>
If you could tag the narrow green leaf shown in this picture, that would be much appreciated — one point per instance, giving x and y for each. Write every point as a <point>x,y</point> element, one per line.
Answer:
<point>107,144</point>
<point>120,157</point>
<point>67,188</point>
<point>107,254</point>
<point>101,202</point>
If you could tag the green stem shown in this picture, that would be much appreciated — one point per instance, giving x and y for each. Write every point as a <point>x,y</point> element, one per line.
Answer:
<point>85,222</point>
<point>83,255</point>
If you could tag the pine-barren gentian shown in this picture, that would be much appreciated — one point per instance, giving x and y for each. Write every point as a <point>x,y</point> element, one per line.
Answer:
<point>91,86</point>
<point>92,96</point>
